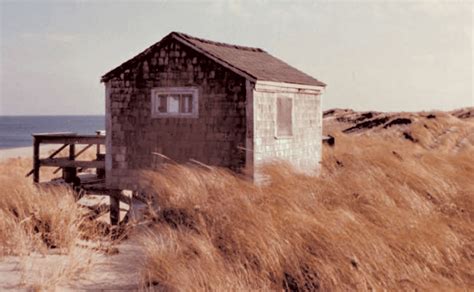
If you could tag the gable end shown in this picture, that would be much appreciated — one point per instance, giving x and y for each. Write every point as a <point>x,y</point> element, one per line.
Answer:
<point>178,37</point>
<point>250,63</point>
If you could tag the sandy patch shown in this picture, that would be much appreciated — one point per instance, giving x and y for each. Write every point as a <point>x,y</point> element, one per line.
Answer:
<point>83,269</point>
<point>25,151</point>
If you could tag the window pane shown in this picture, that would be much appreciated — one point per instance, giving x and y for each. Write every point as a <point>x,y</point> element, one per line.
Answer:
<point>173,103</point>
<point>284,116</point>
<point>182,106</point>
<point>186,105</point>
<point>189,101</point>
<point>161,104</point>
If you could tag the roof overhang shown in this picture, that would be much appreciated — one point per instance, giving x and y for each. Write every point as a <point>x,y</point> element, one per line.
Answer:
<point>284,86</point>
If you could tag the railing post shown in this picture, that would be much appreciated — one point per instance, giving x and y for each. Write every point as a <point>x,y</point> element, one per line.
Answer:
<point>99,157</point>
<point>72,151</point>
<point>36,159</point>
<point>114,207</point>
<point>70,173</point>
<point>98,145</point>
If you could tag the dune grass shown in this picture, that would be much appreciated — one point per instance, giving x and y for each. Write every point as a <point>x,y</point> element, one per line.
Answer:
<point>384,214</point>
<point>34,219</point>
<point>41,229</point>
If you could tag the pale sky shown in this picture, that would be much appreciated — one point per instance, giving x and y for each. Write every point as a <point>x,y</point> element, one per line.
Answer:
<point>374,55</point>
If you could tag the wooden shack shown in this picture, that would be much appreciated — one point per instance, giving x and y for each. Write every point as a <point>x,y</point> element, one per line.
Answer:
<point>186,98</point>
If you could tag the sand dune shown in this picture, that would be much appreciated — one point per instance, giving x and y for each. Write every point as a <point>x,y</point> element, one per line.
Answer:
<point>435,130</point>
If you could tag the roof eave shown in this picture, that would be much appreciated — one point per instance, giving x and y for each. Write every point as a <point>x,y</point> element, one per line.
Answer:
<point>262,83</point>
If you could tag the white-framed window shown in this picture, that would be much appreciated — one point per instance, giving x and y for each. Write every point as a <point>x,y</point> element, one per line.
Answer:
<point>174,102</point>
<point>284,117</point>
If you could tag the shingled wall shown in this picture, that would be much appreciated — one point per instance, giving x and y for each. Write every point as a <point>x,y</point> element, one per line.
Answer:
<point>303,148</point>
<point>216,137</point>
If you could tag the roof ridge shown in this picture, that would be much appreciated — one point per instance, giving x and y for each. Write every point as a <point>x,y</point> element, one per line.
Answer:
<point>245,48</point>
<point>182,38</point>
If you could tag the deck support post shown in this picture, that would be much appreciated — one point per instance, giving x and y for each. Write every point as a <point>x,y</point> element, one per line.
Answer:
<point>97,152</point>
<point>72,151</point>
<point>114,207</point>
<point>36,159</point>
<point>70,173</point>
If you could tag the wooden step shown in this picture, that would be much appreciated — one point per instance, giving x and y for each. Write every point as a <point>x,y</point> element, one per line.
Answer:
<point>65,162</point>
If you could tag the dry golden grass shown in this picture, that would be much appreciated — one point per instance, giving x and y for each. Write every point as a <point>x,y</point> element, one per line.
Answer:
<point>34,219</point>
<point>386,213</point>
<point>41,228</point>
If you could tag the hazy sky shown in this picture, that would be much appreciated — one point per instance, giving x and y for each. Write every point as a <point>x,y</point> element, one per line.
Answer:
<point>377,55</point>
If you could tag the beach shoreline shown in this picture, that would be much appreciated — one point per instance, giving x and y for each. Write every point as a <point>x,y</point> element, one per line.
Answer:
<point>24,152</point>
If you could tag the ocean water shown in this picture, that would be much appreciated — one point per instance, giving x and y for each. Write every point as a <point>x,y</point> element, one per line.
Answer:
<point>15,131</point>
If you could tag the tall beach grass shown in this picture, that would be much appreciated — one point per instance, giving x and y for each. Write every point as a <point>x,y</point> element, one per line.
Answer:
<point>384,214</point>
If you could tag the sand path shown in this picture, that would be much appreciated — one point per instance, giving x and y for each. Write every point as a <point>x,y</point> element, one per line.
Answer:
<point>82,270</point>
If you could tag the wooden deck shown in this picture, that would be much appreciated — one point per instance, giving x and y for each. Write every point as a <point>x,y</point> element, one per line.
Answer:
<point>71,166</point>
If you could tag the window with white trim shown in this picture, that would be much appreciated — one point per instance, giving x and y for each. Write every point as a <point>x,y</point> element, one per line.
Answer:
<point>174,102</point>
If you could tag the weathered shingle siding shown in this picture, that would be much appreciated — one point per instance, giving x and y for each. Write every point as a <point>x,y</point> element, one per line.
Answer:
<point>215,137</point>
<point>303,148</point>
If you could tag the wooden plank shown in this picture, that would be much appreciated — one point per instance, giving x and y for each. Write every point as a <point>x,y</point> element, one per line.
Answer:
<point>50,156</point>
<point>72,151</point>
<point>265,84</point>
<point>92,182</point>
<point>114,207</point>
<point>36,160</point>
<point>57,151</point>
<point>65,162</point>
<point>69,173</point>
<point>54,134</point>
<point>90,178</point>
<point>78,153</point>
<point>121,197</point>
<point>89,139</point>
<point>83,150</point>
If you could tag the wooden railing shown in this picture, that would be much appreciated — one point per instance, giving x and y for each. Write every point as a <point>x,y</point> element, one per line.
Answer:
<point>69,164</point>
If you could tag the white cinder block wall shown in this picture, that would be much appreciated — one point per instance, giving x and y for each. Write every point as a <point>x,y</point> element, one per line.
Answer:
<point>303,149</point>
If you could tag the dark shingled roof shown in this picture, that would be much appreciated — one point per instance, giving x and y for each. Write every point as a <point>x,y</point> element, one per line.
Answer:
<point>253,62</point>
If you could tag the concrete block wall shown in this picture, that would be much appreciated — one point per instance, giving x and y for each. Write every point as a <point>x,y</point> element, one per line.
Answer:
<point>303,148</point>
<point>216,137</point>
